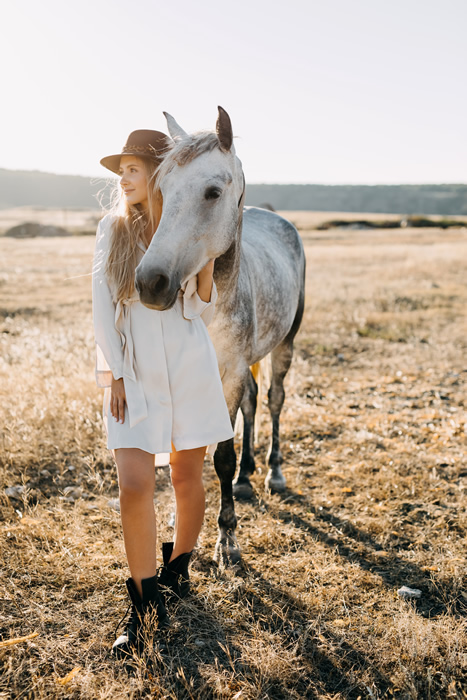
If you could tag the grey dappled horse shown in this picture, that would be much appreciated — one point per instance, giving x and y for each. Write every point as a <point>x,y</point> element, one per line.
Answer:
<point>260,276</point>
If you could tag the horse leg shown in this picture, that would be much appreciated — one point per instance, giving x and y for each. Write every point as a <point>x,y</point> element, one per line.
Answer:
<point>281,358</point>
<point>227,550</point>
<point>242,487</point>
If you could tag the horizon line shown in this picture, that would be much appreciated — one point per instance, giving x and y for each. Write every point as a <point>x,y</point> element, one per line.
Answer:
<point>267,184</point>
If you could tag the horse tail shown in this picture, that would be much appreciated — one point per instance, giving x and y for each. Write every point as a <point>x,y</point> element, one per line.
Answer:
<point>255,370</point>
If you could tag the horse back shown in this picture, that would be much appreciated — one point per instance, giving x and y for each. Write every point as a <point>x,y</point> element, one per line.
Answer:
<point>273,255</point>
<point>272,273</point>
<point>263,228</point>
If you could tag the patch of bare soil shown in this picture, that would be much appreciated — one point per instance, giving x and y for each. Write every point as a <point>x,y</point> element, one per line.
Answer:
<point>374,442</point>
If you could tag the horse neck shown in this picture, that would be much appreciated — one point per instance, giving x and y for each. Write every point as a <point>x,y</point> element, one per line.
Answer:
<point>227,267</point>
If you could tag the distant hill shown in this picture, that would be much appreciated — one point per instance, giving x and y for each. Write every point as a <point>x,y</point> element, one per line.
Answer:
<point>444,200</point>
<point>33,188</point>
<point>19,188</point>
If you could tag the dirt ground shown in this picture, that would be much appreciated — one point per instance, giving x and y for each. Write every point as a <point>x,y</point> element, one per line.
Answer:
<point>374,444</point>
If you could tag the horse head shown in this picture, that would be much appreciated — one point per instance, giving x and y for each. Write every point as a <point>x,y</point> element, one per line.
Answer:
<point>201,182</point>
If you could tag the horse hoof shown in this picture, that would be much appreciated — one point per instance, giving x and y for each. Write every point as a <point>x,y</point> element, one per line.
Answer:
<point>227,551</point>
<point>274,483</point>
<point>242,490</point>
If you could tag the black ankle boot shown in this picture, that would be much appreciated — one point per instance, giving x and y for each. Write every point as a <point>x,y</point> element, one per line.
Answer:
<point>151,603</point>
<point>174,579</point>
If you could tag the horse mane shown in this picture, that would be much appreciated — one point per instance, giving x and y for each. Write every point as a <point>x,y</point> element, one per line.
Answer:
<point>187,149</point>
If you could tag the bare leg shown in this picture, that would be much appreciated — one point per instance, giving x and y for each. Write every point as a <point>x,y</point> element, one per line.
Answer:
<point>187,480</point>
<point>136,478</point>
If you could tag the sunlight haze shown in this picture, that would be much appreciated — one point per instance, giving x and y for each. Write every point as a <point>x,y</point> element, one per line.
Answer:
<point>318,92</point>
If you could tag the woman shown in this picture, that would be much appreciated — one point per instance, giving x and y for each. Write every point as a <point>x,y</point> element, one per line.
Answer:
<point>163,392</point>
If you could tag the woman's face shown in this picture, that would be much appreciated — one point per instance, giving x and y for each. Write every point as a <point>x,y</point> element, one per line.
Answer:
<point>133,180</point>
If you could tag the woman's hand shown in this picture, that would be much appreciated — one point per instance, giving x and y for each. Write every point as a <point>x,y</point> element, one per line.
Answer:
<point>205,281</point>
<point>117,400</point>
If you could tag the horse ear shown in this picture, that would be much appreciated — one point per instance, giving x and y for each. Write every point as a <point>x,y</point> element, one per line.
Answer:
<point>224,130</point>
<point>175,130</point>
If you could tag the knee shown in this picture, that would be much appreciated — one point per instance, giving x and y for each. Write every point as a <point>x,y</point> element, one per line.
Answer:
<point>133,489</point>
<point>186,482</point>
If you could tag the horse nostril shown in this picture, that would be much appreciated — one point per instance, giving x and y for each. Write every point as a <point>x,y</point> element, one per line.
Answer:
<point>152,288</point>
<point>158,285</point>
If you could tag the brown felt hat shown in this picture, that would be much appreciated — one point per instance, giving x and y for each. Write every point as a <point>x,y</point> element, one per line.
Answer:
<point>143,143</point>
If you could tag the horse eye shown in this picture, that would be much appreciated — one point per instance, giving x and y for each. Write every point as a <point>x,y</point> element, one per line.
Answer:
<point>212,193</point>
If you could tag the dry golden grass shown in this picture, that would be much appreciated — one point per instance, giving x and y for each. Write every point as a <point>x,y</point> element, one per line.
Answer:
<point>374,436</point>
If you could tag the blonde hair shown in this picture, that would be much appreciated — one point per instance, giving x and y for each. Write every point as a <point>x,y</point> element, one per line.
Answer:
<point>128,227</point>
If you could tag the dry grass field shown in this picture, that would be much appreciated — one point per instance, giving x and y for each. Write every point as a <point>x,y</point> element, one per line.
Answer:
<point>374,444</point>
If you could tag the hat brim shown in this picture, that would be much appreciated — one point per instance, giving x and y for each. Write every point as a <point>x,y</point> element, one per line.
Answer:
<point>112,163</point>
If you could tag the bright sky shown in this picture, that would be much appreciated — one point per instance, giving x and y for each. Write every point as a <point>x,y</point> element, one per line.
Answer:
<point>319,91</point>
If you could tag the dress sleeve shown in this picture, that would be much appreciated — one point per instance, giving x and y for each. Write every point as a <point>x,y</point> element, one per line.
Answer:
<point>194,306</point>
<point>109,347</point>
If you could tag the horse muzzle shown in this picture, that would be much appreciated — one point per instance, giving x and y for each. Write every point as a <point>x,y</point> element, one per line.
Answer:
<point>156,290</point>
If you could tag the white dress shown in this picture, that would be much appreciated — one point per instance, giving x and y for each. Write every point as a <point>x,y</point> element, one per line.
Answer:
<point>168,363</point>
